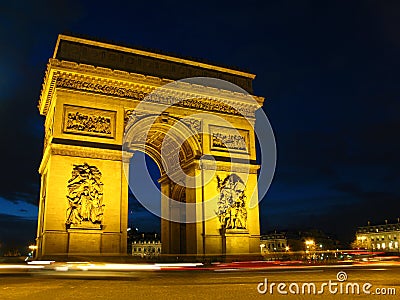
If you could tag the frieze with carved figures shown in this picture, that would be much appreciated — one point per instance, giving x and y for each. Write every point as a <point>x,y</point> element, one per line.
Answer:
<point>226,139</point>
<point>89,121</point>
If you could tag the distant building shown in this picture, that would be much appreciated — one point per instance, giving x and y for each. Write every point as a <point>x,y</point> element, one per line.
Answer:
<point>273,242</point>
<point>378,237</point>
<point>312,239</point>
<point>13,252</point>
<point>146,245</point>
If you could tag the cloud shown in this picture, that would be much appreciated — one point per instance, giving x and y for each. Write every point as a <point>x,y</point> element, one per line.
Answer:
<point>20,209</point>
<point>20,235</point>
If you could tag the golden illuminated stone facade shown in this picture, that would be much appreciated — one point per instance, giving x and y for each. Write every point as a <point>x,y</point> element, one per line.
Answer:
<point>378,237</point>
<point>90,92</point>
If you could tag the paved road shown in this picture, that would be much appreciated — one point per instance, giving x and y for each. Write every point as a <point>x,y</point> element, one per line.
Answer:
<point>200,284</point>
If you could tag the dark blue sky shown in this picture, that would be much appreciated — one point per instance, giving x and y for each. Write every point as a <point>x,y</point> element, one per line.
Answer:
<point>329,71</point>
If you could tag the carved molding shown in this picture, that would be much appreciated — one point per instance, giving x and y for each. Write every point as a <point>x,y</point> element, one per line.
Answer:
<point>194,103</point>
<point>85,198</point>
<point>231,211</point>
<point>105,89</point>
<point>137,86</point>
<point>230,168</point>
<point>85,152</point>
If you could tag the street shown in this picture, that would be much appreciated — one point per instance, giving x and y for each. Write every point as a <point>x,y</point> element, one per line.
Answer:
<point>204,284</point>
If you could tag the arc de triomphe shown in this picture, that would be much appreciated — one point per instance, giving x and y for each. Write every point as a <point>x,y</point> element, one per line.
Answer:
<point>103,102</point>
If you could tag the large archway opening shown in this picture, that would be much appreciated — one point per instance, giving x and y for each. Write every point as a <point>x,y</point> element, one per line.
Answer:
<point>143,182</point>
<point>161,153</point>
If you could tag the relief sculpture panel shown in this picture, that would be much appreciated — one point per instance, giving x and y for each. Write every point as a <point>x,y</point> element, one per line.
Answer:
<point>96,122</point>
<point>229,139</point>
<point>85,198</point>
<point>231,211</point>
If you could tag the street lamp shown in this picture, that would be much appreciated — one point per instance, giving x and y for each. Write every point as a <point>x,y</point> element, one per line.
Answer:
<point>309,246</point>
<point>309,243</point>
<point>32,247</point>
<point>262,246</point>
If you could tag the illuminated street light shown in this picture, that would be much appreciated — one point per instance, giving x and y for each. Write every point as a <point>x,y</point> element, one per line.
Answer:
<point>32,247</point>
<point>287,248</point>
<point>310,247</point>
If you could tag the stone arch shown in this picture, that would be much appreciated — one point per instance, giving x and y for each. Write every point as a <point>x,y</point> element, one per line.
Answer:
<point>148,132</point>
<point>87,100</point>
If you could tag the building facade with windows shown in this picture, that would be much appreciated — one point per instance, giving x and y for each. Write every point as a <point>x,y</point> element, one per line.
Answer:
<point>145,245</point>
<point>273,242</point>
<point>146,248</point>
<point>378,237</point>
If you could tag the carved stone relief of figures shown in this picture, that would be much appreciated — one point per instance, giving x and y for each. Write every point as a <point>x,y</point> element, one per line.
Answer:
<point>221,140</point>
<point>194,103</point>
<point>127,115</point>
<point>194,125</point>
<point>232,212</point>
<point>81,120</point>
<point>90,123</point>
<point>224,138</point>
<point>85,197</point>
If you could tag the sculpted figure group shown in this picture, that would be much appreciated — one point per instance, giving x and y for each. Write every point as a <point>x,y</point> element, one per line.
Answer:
<point>85,196</point>
<point>231,210</point>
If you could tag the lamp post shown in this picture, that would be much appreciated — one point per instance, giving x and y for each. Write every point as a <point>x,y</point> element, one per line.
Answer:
<point>309,247</point>
<point>261,248</point>
<point>32,254</point>
<point>32,247</point>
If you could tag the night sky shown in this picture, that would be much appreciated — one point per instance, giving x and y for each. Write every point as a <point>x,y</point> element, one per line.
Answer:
<point>329,71</point>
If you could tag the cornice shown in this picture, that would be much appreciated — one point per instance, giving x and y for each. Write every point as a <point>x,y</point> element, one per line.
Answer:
<point>85,152</point>
<point>132,85</point>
